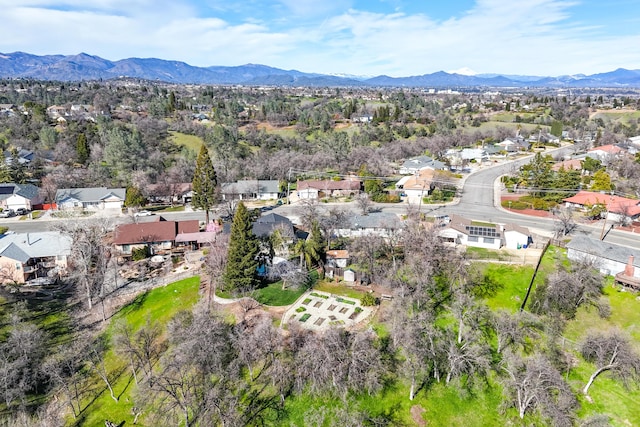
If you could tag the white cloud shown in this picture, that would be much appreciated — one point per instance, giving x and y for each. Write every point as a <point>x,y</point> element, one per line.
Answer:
<point>510,37</point>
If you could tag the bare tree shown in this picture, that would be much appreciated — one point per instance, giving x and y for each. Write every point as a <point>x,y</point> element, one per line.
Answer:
<point>564,222</point>
<point>564,292</point>
<point>364,203</point>
<point>215,264</point>
<point>533,384</point>
<point>20,358</point>
<point>610,351</point>
<point>90,256</point>
<point>515,329</point>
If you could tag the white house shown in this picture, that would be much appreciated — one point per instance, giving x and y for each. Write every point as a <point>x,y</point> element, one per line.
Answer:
<point>251,189</point>
<point>461,231</point>
<point>419,163</point>
<point>516,237</point>
<point>95,199</point>
<point>15,196</point>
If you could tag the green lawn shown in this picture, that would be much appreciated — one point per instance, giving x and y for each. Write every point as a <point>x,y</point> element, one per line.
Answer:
<point>338,288</point>
<point>511,283</point>
<point>273,294</point>
<point>158,306</point>
<point>191,142</point>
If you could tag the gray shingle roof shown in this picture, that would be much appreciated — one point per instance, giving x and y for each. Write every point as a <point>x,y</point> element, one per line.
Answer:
<point>604,250</point>
<point>251,186</point>
<point>266,224</point>
<point>28,191</point>
<point>23,246</point>
<point>94,194</point>
<point>376,220</point>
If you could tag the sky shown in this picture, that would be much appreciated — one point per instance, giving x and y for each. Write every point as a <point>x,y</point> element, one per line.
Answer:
<point>354,37</point>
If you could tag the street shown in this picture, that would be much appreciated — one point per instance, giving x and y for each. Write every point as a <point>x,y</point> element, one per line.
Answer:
<point>479,200</point>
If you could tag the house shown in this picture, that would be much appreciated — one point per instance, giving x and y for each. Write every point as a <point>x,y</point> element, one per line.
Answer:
<point>170,192</point>
<point>24,156</point>
<point>571,164</point>
<point>56,111</point>
<point>15,196</point>
<point>462,231</point>
<point>417,186</point>
<point>251,189</point>
<point>516,237</point>
<point>37,257</point>
<point>513,144</point>
<point>194,240</point>
<point>265,225</point>
<point>619,209</point>
<point>98,198</point>
<point>412,166</point>
<point>381,224</point>
<point>608,258</point>
<point>158,235</point>
<point>605,153</point>
<point>337,258</point>
<point>327,188</point>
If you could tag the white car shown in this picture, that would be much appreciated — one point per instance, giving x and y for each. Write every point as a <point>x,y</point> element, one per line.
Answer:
<point>143,213</point>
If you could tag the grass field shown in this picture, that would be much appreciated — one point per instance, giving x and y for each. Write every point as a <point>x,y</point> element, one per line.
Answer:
<point>157,307</point>
<point>191,142</point>
<point>273,294</point>
<point>338,288</point>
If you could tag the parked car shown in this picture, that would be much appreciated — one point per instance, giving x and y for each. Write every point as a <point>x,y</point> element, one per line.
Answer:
<point>22,211</point>
<point>143,213</point>
<point>7,213</point>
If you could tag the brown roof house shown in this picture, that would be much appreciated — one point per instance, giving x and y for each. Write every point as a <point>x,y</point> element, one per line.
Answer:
<point>158,235</point>
<point>327,188</point>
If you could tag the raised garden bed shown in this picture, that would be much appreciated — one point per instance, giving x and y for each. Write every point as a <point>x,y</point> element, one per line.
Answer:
<point>343,310</point>
<point>306,301</point>
<point>300,309</point>
<point>305,317</point>
<point>345,301</point>
<point>314,294</point>
<point>319,321</point>
<point>332,307</point>
<point>318,304</point>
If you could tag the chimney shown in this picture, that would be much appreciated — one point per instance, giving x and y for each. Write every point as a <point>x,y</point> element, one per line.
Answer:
<point>629,269</point>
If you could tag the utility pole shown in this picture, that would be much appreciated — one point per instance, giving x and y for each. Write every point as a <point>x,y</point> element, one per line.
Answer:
<point>289,187</point>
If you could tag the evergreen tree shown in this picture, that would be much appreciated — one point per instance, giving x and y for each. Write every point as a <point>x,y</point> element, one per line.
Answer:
<point>601,181</point>
<point>17,170</point>
<point>556,128</point>
<point>240,273</point>
<point>134,197</point>
<point>204,183</point>
<point>82,149</point>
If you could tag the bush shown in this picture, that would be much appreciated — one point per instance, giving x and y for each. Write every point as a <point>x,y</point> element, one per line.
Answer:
<point>140,253</point>
<point>368,300</point>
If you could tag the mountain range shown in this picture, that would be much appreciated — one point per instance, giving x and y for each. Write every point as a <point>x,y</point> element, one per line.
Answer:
<point>89,67</point>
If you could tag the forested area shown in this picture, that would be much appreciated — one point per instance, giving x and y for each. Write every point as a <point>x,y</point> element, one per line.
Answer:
<point>452,335</point>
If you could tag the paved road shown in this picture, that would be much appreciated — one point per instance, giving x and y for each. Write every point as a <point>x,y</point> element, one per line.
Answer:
<point>479,200</point>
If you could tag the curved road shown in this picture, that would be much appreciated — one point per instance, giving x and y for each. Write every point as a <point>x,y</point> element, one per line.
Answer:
<point>480,200</point>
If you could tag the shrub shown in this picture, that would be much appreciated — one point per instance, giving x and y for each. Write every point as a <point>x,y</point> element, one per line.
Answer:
<point>140,253</point>
<point>368,300</point>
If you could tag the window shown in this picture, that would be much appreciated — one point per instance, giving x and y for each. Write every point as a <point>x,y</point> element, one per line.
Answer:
<point>489,240</point>
<point>472,239</point>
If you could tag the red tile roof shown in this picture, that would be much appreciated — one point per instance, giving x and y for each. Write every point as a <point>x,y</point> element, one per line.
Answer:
<point>615,204</point>
<point>609,148</point>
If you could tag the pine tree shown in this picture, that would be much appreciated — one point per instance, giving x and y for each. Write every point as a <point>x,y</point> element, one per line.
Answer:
<point>240,273</point>
<point>82,149</point>
<point>204,183</point>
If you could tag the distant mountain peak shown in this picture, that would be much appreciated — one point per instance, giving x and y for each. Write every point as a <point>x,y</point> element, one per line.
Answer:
<point>84,66</point>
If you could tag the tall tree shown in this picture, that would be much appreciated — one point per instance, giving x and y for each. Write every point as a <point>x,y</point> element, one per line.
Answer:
<point>240,273</point>
<point>82,148</point>
<point>205,182</point>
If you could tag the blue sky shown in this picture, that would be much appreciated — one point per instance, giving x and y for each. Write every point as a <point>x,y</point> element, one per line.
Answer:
<point>360,37</point>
